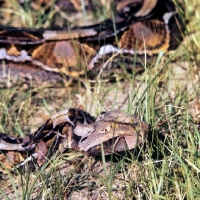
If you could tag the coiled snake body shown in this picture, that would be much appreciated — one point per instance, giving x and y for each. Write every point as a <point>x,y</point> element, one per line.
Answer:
<point>46,55</point>
<point>139,27</point>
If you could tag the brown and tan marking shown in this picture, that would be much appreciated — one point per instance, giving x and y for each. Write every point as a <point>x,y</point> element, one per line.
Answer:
<point>75,129</point>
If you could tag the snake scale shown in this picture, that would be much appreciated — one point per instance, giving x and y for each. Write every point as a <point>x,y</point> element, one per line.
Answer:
<point>139,27</point>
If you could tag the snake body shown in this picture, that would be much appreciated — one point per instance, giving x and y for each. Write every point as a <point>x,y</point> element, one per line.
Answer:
<point>138,28</point>
<point>47,55</point>
<point>75,129</point>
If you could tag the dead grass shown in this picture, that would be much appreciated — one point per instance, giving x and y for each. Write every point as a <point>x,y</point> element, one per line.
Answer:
<point>166,95</point>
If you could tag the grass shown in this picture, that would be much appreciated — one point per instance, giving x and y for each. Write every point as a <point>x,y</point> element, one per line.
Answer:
<point>166,95</point>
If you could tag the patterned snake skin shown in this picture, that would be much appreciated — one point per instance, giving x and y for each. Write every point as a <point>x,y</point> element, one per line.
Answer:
<point>47,55</point>
<point>40,55</point>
